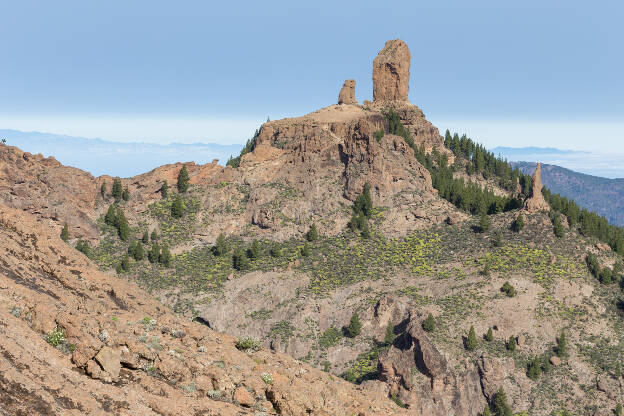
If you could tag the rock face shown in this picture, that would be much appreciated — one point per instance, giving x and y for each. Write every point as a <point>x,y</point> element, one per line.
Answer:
<point>445,391</point>
<point>391,72</point>
<point>536,202</point>
<point>347,93</point>
<point>160,364</point>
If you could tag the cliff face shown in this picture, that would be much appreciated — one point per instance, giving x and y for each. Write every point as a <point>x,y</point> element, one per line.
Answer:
<point>75,341</point>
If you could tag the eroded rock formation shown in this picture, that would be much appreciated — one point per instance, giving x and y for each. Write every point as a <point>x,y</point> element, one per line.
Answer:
<point>445,392</point>
<point>391,72</point>
<point>347,93</point>
<point>536,201</point>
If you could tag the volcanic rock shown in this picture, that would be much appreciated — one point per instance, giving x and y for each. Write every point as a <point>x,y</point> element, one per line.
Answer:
<point>536,202</point>
<point>347,93</point>
<point>391,72</point>
<point>448,392</point>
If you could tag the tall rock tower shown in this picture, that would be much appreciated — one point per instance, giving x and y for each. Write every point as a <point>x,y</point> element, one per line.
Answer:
<point>391,72</point>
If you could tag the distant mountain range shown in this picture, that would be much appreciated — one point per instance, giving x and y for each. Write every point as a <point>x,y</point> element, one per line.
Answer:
<point>100,157</point>
<point>601,195</point>
<point>608,165</point>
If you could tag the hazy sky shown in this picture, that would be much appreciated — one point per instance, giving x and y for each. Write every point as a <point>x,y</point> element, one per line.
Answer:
<point>546,73</point>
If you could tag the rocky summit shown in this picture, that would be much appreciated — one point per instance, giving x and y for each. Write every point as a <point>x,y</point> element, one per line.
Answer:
<point>350,261</point>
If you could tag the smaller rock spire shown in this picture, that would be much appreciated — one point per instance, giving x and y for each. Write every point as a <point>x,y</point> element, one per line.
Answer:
<point>347,93</point>
<point>537,202</point>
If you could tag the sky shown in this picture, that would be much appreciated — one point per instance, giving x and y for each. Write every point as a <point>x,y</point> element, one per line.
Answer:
<point>530,73</point>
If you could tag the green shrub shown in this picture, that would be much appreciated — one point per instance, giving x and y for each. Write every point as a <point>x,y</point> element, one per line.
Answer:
<point>103,190</point>
<point>486,411</point>
<point>276,250</point>
<point>125,195</point>
<point>489,337</point>
<point>508,290</point>
<point>247,344</point>
<point>83,247</point>
<point>154,235</point>
<point>125,263</point>
<point>164,189</point>
<point>65,233</point>
<point>165,258</point>
<point>379,135</point>
<point>56,337</point>
<point>145,238</point>
<point>329,338</point>
<point>429,323</point>
<point>511,344</point>
<point>154,254</point>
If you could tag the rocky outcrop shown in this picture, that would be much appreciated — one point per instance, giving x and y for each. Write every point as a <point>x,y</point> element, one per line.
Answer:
<point>391,72</point>
<point>347,93</point>
<point>111,349</point>
<point>536,201</point>
<point>445,392</point>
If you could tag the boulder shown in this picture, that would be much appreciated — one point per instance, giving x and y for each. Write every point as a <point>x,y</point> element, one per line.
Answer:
<point>110,361</point>
<point>554,360</point>
<point>347,93</point>
<point>391,71</point>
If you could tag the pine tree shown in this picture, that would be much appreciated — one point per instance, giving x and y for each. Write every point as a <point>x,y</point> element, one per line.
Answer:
<point>562,345</point>
<point>364,203</point>
<point>136,251</point>
<point>355,326</point>
<point>484,223</point>
<point>103,190</point>
<point>220,247</point>
<point>117,190</point>
<point>489,337</point>
<point>518,224</point>
<point>111,216</point>
<point>312,234</point>
<point>125,263</point>
<point>305,250</point>
<point>183,180</point>
<point>154,253</point>
<point>177,208</point>
<point>65,233</point>
<point>389,337</point>
<point>164,189</point>
<point>154,235</point>
<point>145,238</point>
<point>125,195</point>
<point>534,369</point>
<point>429,323</point>
<point>618,409</point>
<point>165,257</point>
<point>254,250</point>
<point>471,340</point>
<point>557,226</point>
<point>239,259</point>
<point>486,411</point>
<point>501,408</point>
<point>511,344</point>
<point>123,228</point>
<point>275,251</point>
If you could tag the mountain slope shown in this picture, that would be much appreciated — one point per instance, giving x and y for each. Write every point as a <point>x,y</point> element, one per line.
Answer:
<point>75,341</point>
<point>601,195</point>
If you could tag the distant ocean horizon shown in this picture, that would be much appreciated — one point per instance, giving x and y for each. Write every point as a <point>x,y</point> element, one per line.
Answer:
<point>104,157</point>
<point>606,165</point>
